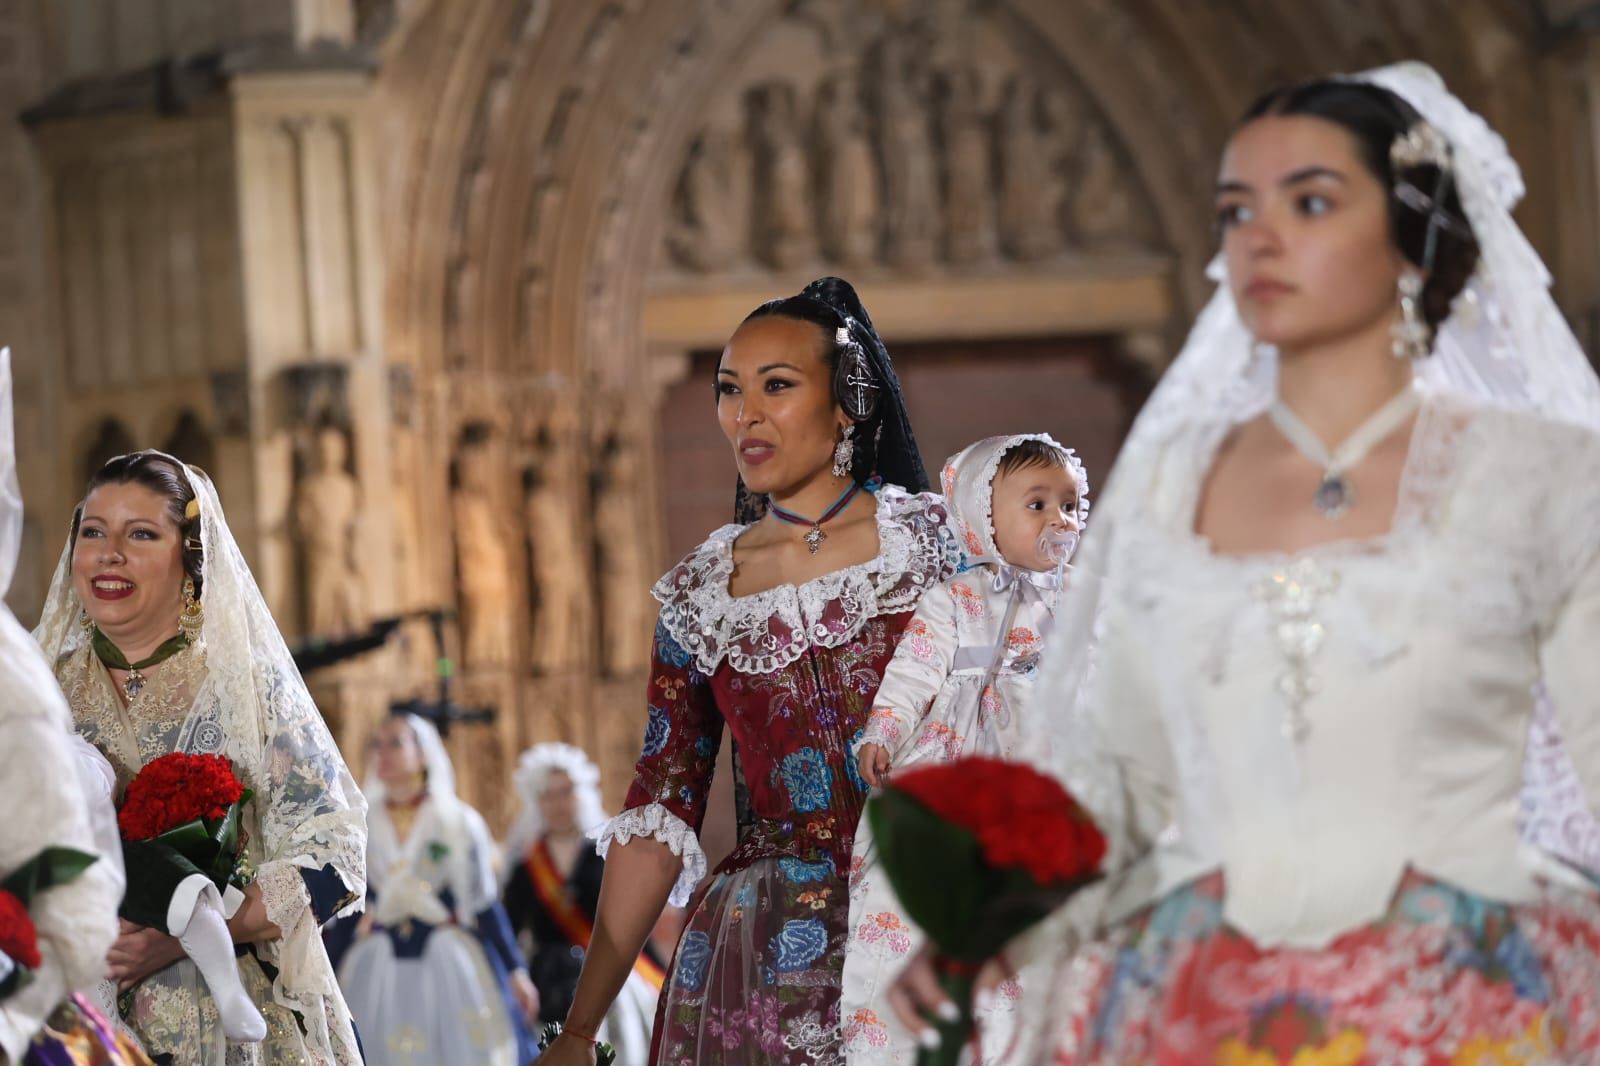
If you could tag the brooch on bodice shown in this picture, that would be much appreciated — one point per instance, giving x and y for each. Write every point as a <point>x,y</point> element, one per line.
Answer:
<point>1294,597</point>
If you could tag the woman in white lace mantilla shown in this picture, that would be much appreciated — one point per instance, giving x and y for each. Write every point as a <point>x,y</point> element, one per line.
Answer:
<point>163,643</point>
<point>776,631</point>
<point>1353,528</point>
<point>434,973</point>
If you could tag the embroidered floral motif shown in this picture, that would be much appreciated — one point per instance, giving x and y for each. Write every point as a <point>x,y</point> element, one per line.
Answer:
<point>808,779</point>
<point>800,943</point>
<point>671,652</point>
<point>941,738</point>
<point>864,1030</point>
<point>886,724</point>
<point>657,731</point>
<point>694,958</point>
<point>885,931</point>
<point>804,873</point>
<point>968,599</point>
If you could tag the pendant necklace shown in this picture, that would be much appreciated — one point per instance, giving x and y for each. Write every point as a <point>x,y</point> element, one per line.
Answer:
<point>1334,496</point>
<point>112,656</point>
<point>815,536</point>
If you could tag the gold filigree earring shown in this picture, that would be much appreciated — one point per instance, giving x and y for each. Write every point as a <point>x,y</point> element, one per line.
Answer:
<point>192,617</point>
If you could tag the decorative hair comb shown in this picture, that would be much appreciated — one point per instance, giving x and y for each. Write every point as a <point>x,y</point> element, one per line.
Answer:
<point>192,509</point>
<point>1421,145</point>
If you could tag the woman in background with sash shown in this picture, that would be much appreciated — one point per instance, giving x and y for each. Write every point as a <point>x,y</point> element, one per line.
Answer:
<point>552,887</point>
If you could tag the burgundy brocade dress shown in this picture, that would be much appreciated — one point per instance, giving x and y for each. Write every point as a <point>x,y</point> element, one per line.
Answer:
<point>790,673</point>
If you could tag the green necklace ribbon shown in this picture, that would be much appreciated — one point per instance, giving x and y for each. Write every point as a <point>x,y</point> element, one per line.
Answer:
<point>112,656</point>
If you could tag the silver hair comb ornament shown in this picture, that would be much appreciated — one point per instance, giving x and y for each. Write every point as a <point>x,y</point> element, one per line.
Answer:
<point>1421,145</point>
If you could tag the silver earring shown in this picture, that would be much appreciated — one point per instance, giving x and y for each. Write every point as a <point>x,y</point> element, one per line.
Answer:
<point>843,453</point>
<point>1411,335</point>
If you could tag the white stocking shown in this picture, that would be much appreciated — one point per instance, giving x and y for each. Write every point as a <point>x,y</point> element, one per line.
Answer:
<point>203,932</point>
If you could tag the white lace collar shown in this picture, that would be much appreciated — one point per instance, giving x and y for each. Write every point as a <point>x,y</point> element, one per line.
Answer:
<point>766,631</point>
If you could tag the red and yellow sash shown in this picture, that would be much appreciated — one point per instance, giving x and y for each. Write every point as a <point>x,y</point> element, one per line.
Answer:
<point>551,888</point>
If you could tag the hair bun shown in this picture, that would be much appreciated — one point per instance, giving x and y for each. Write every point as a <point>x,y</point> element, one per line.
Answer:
<point>840,295</point>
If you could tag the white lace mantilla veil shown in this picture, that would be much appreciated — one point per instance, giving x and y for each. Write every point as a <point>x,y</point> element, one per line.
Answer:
<point>311,813</point>
<point>533,770</point>
<point>1505,345</point>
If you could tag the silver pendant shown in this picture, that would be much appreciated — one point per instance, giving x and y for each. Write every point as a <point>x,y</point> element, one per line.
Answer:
<point>815,538</point>
<point>1334,496</point>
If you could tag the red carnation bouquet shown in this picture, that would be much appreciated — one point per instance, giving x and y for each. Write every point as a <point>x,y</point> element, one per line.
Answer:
<point>181,816</point>
<point>979,850</point>
<point>19,939</point>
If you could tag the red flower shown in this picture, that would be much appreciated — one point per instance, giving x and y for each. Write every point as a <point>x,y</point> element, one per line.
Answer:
<point>1022,819</point>
<point>177,789</point>
<point>18,937</point>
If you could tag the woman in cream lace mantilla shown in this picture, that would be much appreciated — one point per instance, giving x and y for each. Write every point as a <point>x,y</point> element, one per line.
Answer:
<point>162,642</point>
<point>1355,526</point>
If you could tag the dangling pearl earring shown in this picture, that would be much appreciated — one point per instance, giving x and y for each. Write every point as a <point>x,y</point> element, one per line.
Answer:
<point>844,452</point>
<point>1411,335</point>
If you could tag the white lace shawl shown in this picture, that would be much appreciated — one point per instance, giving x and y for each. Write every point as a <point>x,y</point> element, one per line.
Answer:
<point>765,632</point>
<point>311,814</point>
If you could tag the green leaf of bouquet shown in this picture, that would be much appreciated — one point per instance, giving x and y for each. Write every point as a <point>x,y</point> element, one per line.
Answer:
<point>49,868</point>
<point>933,864</point>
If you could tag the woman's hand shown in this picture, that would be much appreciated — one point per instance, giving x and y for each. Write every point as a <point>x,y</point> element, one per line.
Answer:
<point>916,996</point>
<point>139,952</point>
<point>527,995</point>
<point>568,1051</point>
<point>873,762</point>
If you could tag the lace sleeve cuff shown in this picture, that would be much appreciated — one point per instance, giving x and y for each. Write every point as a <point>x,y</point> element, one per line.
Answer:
<point>655,821</point>
<point>284,894</point>
<point>885,729</point>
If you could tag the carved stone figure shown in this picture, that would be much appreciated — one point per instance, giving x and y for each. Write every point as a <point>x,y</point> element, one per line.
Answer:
<point>784,230</point>
<point>628,612</point>
<point>1104,206</point>
<point>713,203</point>
<point>905,147</point>
<point>326,507</point>
<point>1028,226</point>
<point>847,174</point>
<point>414,587</point>
<point>968,190</point>
<point>483,561</point>
<point>562,563</point>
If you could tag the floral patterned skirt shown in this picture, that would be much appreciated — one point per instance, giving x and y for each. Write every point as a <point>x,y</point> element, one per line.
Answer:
<point>1445,979</point>
<point>756,975</point>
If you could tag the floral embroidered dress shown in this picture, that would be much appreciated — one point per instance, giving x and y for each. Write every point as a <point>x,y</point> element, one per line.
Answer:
<point>790,673</point>
<point>957,685</point>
